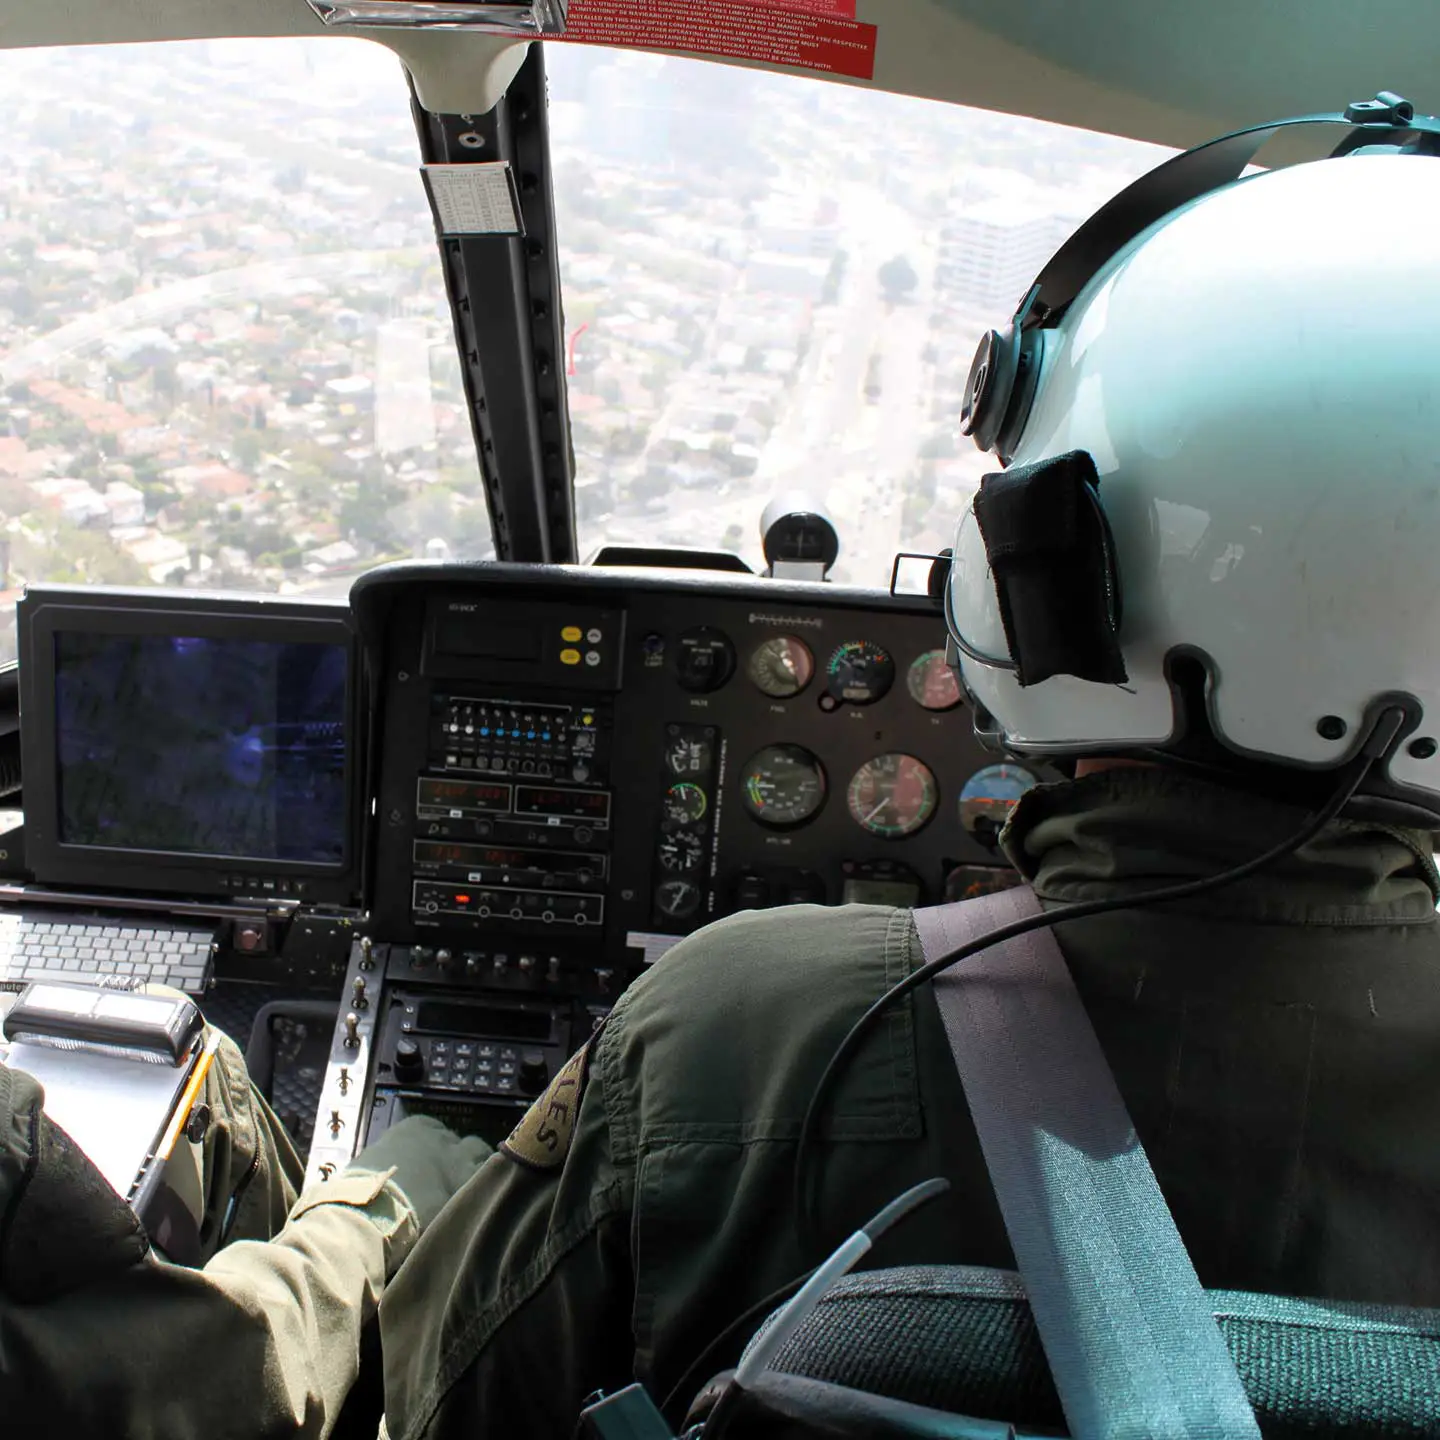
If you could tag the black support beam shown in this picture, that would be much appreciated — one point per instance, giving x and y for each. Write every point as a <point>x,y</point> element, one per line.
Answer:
<point>505,298</point>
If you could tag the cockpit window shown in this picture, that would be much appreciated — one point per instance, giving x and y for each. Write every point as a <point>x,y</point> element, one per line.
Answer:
<point>777,283</point>
<point>226,355</point>
<point>226,358</point>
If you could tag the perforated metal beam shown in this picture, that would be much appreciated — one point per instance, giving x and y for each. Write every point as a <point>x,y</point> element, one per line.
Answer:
<point>505,299</point>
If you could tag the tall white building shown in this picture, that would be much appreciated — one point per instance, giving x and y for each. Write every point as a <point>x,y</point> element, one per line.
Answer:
<point>990,251</point>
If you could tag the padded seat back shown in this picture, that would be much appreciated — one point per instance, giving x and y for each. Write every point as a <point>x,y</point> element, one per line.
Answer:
<point>962,1339</point>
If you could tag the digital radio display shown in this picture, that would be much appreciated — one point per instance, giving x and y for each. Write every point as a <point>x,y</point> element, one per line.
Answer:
<point>579,804</point>
<point>448,795</point>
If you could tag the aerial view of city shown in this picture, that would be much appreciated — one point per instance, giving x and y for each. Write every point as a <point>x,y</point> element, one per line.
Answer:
<point>226,358</point>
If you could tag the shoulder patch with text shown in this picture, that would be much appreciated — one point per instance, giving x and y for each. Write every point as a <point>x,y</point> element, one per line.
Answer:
<point>541,1141</point>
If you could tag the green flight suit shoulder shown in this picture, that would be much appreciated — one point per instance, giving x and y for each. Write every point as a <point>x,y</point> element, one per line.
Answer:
<point>552,1275</point>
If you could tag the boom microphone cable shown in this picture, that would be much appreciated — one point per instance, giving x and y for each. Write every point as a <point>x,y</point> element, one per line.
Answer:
<point>802,1305</point>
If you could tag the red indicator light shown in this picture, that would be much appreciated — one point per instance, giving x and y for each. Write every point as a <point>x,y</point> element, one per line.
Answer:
<point>462,899</point>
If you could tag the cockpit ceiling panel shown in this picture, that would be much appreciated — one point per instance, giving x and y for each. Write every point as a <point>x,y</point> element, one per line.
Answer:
<point>1167,71</point>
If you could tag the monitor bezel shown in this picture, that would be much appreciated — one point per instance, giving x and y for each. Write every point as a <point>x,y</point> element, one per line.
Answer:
<point>43,612</point>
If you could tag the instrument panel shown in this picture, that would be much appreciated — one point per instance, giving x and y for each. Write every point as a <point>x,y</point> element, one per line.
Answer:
<point>578,768</point>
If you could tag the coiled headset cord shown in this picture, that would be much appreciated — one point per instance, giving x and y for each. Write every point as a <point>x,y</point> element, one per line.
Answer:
<point>1382,736</point>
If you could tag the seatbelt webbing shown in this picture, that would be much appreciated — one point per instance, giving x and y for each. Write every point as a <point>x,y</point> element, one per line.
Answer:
<point>1129,1334</point>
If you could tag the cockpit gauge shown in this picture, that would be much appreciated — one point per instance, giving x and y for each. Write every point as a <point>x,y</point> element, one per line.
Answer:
<point>782,785</point>
<point>893,795</point>
<point>688,755</point>
<point>860,672</point>
<point>680,851</point>
<point>988,798</point>
<point>932,683</point>
<point>685,804</point>
<point>704,659</point>
<point>679,899</point>
<point>781,667</point>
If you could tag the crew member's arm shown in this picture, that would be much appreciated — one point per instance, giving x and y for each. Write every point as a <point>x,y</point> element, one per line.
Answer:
<point>264,1340</point>
<point>516,1305</point>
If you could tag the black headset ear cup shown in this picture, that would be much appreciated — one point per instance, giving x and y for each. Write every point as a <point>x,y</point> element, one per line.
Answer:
<point>1001,388</point>
<point>988,390</point>
<point>1029,351</point>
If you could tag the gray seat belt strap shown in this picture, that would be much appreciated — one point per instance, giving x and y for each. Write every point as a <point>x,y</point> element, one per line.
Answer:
<point>1129,1334</point>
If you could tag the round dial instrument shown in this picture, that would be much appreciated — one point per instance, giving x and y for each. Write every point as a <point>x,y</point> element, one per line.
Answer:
<point>679,899</point>
<point>782,785</point>
<point>680,851</point>
<point>704,659</point>
<point>688,755</point>
<point>860,672</point>
<point>893,795</point>
<point>685,804</point>
<point>932,683</point>
<point>781,667</point>
<point>989,796</point>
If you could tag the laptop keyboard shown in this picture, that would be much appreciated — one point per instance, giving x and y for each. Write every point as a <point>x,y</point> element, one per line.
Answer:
<point>38,946</point>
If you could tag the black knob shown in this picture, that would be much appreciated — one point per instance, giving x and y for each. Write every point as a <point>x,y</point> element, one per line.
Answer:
<point>534,1072</point>
<point>409,1060</point>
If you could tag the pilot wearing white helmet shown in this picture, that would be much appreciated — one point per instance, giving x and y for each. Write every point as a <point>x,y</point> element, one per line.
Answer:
<point>1208,575</point>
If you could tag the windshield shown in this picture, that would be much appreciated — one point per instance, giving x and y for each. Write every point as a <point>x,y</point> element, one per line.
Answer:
<point>776,283</point>
<point>226,357</point>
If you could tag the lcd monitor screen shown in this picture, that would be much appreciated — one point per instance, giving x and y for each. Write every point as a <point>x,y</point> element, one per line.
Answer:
<point>192,745</point>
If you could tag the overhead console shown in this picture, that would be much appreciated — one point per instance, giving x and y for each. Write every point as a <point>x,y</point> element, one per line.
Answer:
<point>572,770</point>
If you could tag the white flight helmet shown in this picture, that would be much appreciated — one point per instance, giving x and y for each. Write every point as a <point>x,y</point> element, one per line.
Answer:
<point>1256,378</point>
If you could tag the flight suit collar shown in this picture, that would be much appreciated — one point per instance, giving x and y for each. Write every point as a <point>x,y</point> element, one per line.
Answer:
<point>1131,829</point>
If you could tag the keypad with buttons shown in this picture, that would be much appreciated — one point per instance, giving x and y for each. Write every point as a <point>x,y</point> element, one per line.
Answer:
<point>474,1067</point>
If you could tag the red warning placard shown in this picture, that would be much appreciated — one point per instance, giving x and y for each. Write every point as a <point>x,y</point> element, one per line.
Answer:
<point>840,9</point>
<point>807,34</point>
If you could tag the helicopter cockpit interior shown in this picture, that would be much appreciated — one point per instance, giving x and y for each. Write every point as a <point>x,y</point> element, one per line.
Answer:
<point>476,481</point>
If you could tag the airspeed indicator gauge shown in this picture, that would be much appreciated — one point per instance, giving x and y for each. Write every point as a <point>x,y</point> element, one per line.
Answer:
<point>892,796</point>
<point>782,785</point>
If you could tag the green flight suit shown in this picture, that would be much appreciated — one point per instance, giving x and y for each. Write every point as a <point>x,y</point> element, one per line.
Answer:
<point>1278,1044</point>
<point>100,1336</point>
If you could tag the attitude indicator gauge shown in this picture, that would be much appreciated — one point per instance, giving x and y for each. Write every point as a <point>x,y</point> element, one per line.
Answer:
<point>861,672</point>
<point>782,785</point>
<point>988,798</point>
<point>893,796</point>
<point>781,667</point>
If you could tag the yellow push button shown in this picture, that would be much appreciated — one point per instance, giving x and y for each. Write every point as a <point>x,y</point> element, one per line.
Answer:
<point>571,636</point>
<point>569,657</point>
